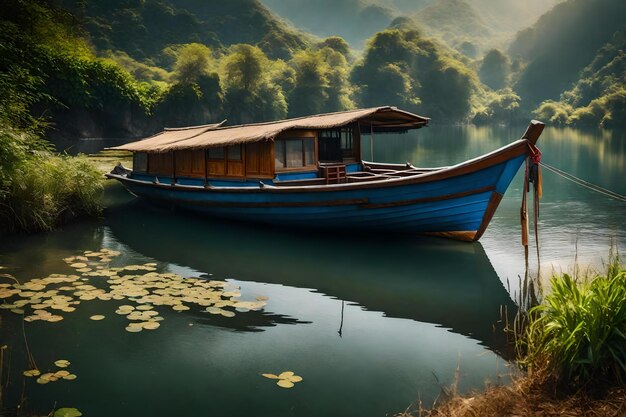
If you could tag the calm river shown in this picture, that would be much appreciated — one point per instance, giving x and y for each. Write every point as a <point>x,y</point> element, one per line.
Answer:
<point>371,323</point>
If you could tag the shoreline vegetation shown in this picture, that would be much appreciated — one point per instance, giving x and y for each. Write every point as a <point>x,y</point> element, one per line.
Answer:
<point>570,350</point>
<point>39,189</point>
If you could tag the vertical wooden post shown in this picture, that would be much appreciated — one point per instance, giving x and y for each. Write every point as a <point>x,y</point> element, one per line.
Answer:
<point>206,169</point>
<point>371,142</point>
<point>173,167</point>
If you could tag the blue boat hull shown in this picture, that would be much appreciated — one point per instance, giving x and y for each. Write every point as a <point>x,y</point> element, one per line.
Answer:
<point>456,202</point>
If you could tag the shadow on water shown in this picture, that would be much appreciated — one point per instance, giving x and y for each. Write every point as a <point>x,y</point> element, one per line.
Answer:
<point>448,283</point>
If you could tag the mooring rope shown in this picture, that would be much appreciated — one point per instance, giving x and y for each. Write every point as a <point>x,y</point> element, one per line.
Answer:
<point>583,183</point>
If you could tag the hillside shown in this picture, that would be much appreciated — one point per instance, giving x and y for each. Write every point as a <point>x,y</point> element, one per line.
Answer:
<point>453,21</point>
<point>353,20</point>
<point>598,97</point>
<point>561,44</point>
<point>143,28</point>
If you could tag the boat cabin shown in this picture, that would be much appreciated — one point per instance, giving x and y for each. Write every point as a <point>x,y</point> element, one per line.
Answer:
<point>320,149</point>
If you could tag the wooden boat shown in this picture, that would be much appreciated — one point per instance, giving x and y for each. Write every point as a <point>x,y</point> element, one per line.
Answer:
<point>308,173</point>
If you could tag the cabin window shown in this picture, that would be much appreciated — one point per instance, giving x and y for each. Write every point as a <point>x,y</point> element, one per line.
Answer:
<point>140,162</point>
<point>294,153</point>
<point>346,142</point>
<point>234,153</point>
<point>216,153</point>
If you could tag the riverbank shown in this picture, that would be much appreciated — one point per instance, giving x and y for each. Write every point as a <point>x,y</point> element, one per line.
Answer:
<point>525,398</point>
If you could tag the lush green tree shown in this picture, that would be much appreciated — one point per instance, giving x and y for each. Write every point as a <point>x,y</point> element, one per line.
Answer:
<point>387,85</point>
<point>337,72</point>
<point>502,109</point>
<point>553,112</point>
<point>400,67</point>
<point>249,93</point>
<point>192,62</point>
<point>310,94</point>
<point>336,43</point>
<point>244,67</point>
<point>494,69</point>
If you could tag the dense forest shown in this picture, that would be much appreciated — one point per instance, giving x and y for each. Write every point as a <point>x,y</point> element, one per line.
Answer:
<point>127,68</point>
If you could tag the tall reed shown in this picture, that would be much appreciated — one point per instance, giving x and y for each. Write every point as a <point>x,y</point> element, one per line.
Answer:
<point>40,189</point>
<point>577,335</point>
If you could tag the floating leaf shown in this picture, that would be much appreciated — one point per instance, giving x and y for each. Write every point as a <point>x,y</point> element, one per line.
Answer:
<point>32,372</point>
<point>70,377</point>
<point>67,412</point>
<point>62,373</point>
<point>79,265</point>
<point>97,317</point>
<point>150,325</point>
<point>283,383</point>
<point>270,376</point>
<point>42,381</point>
<point>133,329</point>
<point>62,363</point>
<point>294,378</point>
<point>286,375</point>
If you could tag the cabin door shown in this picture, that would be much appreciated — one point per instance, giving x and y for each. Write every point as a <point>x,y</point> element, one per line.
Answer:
<point>329,147</point>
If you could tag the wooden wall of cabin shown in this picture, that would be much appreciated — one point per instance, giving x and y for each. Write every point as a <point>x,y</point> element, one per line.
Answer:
<point>190,163</point>
<point>160,164</point>
<point>259,157</point>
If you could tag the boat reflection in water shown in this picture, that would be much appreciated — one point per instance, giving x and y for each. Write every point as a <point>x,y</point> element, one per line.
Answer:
<point>448,283</point>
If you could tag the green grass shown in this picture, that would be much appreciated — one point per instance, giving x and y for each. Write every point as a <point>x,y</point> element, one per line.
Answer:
<point>40,189</point>
<point>577,336</point>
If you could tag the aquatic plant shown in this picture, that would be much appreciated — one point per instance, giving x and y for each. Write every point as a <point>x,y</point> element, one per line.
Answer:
<point>577,335</point>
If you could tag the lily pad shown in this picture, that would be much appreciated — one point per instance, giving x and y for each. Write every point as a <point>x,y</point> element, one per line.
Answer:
<point>286,374</point>
<point>62,363</point>
<point>32,372</point>
<point>70,377</point>
<point>270,376</point>
<point>133,329</point>
<point>284,383</point>
<point>97,317</point>
<point>67,412</point>
<point>150,325</point>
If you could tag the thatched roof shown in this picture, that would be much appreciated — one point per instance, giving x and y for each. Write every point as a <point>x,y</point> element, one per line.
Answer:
<point>215,135</point>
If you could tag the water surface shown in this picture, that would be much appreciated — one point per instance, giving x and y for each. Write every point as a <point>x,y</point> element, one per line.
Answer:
<point>371,322</point>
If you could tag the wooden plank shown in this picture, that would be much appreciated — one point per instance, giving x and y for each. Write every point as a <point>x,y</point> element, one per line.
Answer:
<point>253,157</point>
<point>235,169</point>
<point>160,163</point>
<point>465,236</point>
<point>494,201</point>
<point>428,199</point>
<point>216,168</point>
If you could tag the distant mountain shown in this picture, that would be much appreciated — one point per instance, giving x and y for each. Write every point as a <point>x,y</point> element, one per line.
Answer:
<point>509,16</point>
<point>485,24</point>
<point>561,44</point>
<point>142,28</point>
<point>452,20</point>
<point>353,20</point>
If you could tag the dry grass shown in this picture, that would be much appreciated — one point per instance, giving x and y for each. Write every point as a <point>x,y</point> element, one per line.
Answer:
<point>528,399</point>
